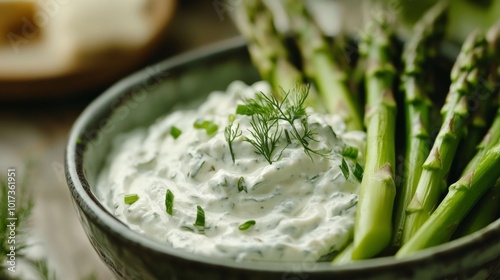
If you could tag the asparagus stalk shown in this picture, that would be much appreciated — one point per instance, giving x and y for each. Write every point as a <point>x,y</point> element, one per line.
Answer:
<point>488,207</point>
<point>484,212</point>
<point>320,66</point>
<point>345,256</point>
<point>489,140</point>
<point>493,38</point>
<point>342,54</point>
<point>268,53</point>
<point>373,225</point>
<point>422,47</point>
<point>483,108</point>
<point>460,199</point>
<point>464,77</point>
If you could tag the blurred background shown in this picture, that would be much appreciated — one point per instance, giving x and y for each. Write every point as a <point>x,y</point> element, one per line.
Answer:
<point>56,56</point>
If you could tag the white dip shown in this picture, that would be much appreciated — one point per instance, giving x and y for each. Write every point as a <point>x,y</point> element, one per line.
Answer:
<point>303,206</point>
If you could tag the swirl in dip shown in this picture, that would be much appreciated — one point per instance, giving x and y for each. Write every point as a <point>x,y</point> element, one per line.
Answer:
<point>299,208</point>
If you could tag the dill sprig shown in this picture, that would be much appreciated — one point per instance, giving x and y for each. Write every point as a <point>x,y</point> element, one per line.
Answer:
<point>295,111</point>
<point>266,111</point>
<point>42,269</point>
<point>24,206</point>
<point>232,133</point>
<point>266,135</point>
<point>23,210</point>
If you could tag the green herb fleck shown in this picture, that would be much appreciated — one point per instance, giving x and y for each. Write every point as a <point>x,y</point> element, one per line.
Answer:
<point>350,152</point>
<point>242,186</point>
<point>345,168</point>
<point>131,198</point>
<point>358,172</point>
<point>246,225</point>
<point>231,134</point>
<point>244,110</point>
<point>169,202</point>
<point>200,217</point>
<point>212,129</point>
<point>200,124</point>
<point>175,132</point>
<point>208,126</point>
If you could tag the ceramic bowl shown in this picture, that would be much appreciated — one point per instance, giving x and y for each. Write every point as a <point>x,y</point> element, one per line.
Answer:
<point>137,101</point>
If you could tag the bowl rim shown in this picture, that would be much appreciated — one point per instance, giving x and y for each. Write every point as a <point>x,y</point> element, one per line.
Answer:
<point>84,198</point>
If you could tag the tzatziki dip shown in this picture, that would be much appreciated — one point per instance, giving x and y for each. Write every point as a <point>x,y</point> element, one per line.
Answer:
<point>243,176</point>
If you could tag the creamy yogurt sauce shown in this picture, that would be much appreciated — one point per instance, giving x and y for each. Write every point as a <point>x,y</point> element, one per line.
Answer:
<point>303,205</point>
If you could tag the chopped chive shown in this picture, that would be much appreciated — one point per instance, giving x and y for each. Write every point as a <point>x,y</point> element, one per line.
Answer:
<point>246,225</point>
<point>345,168</point>
<point>196,169</point>
<point>208,126</point>
<point>200,217</point>
<point>211,128</point>
<point>358,172</point>
<point>350,152</point>
<point>244,110</point>
<point>199,124</point>
<point>131,198</point>
<point>242,186</point>
<point>175,132</point>
<point>231,118</point>
<point>169,202</point>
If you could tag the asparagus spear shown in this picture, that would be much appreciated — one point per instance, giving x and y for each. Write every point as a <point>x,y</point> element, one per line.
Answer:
<point>489,140</point>
<point>488,207</point>
<point>319,65</point>
<point>460,199</point>
<point>373,225</point>
<point>464,77</point>
<point>484,212</point>
<point>268,53</point>
<point>345,256</point>
<point>422,47</point>
<point>482,106</point>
